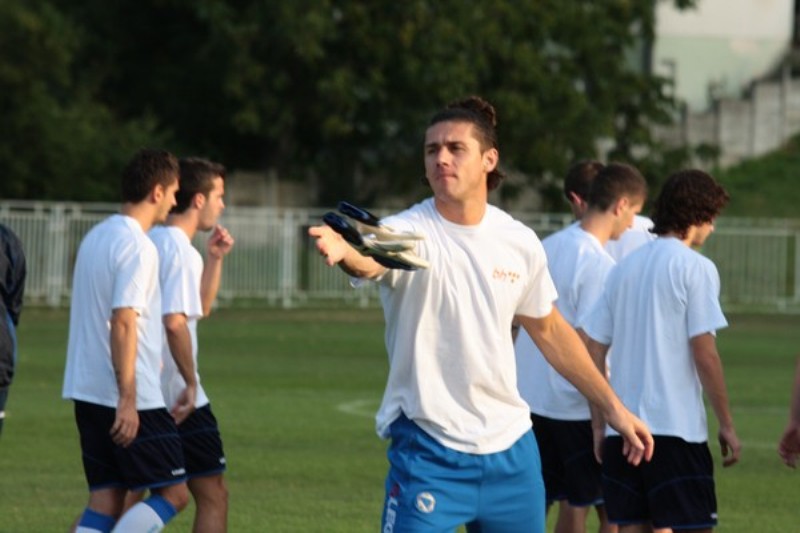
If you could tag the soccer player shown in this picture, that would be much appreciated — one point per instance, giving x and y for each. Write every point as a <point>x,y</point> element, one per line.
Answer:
<point>577,184</point>
<point>12,289</point>
<point>578,264</point>
<point>659,313</point>
<point>789,445</point>
<point>188,289</point>
<point>462,450</point>
<point>128,438</point>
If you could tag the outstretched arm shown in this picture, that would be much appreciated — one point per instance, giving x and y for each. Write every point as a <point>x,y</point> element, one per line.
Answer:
<point>709,369</point>
<point>789,445</point>
<point>564,350</point>
<point>336,251</point>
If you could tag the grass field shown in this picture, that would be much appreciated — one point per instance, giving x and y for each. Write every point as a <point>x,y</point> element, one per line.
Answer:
<point>295,393</point>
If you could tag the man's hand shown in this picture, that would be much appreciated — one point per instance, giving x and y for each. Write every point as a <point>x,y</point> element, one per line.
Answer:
<point>730,446</point>
<point>219,242</point>
<point>184,405</point>
<point>789,445</point>
<point>638,443</point>
<point>126,424</point>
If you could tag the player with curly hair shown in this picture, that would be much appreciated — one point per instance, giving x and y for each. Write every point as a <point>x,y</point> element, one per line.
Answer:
<point>659,313</point>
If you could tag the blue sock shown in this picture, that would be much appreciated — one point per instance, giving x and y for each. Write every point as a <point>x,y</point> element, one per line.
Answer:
<point>94,521</point>
<point>162,507</point>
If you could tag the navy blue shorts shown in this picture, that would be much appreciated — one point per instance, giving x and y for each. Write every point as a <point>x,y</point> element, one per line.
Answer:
<point>202,444</point>
<point>154,459</point>
<point>569,468</point>
<point>434,488</point>
<point>674,490</point>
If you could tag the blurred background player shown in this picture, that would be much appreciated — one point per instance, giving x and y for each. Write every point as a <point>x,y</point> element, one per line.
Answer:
<point>128,439</point>
<point>461,448</point>
<point>578,264</point>
<point>659,313</point>
<point>188,289</point>
<point>12,289</point>
<point>789,444</point>
<point>577,184</point>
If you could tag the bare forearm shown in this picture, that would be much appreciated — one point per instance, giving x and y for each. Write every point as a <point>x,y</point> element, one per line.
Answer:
<point>123,341</point>
<point>180,346</point>
<point>359,266</point>
<point>566,352</point>
<point>709,370</point>
<point>209,282</point>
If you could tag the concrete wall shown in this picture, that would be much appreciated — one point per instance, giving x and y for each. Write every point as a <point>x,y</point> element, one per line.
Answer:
<point>745,127</point>
<point>721,46</point>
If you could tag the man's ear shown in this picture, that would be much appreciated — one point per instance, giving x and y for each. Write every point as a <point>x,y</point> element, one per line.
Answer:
<point>157,193</point>
<point>490,159</point>
<point>621,204</point>
<point>199,200</point>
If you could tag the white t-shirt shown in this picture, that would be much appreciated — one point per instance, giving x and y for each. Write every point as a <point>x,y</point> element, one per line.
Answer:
<point>116,267</point>
<point>578,265</point>
<point>451,357</point>
<point>655,301</point>
<point>180,272</point>
<point>632,238</point>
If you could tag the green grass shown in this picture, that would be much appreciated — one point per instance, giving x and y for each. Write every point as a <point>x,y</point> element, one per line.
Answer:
<point>295,393</point>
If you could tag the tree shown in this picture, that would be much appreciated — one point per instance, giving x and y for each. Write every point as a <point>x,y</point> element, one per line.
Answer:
<point>56,142</point>
<point>337,92</point>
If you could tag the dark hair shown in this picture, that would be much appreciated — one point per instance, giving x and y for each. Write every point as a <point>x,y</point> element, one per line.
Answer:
<point>197,176</point>
<point>579,178</point>
<point>481,114</point>
<point>148,167</point>
<point>614,181</point>
<point>688,198</point>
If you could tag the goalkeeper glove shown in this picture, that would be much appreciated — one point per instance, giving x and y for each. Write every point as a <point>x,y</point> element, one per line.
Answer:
<point>369,237</point>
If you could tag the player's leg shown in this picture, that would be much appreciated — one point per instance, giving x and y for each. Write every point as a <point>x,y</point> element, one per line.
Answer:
<point>571,518</point>
<point>582,485</point>
<point>602,518</point>
<point>154,461</point>
<point>429,487</point>
<point>205,464</point>
<point>211,504</point>
<point>104,477</point>
<point>132,498</point>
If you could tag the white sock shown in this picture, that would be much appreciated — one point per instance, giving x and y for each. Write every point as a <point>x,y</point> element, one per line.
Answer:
<point>148,516</point>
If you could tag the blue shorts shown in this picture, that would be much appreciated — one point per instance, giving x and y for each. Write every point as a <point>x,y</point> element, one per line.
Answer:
<point>434,488</point>
<point>154,458</point>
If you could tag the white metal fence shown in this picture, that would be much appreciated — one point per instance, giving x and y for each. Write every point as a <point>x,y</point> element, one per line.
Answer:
<point>275,263</point>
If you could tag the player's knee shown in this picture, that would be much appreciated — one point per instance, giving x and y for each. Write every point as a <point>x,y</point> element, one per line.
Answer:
<point>211,491</point>
<point>176,495</point>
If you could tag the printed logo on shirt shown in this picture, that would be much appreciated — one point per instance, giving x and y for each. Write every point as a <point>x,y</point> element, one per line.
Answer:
<point>178,472</point>
<point>502,274</point>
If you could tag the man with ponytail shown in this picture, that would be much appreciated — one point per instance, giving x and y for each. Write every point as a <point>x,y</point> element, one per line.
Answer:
<point>462,450</point>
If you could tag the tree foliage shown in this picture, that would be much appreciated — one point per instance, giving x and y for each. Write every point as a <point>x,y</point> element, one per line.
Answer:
<point>333,92</point>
